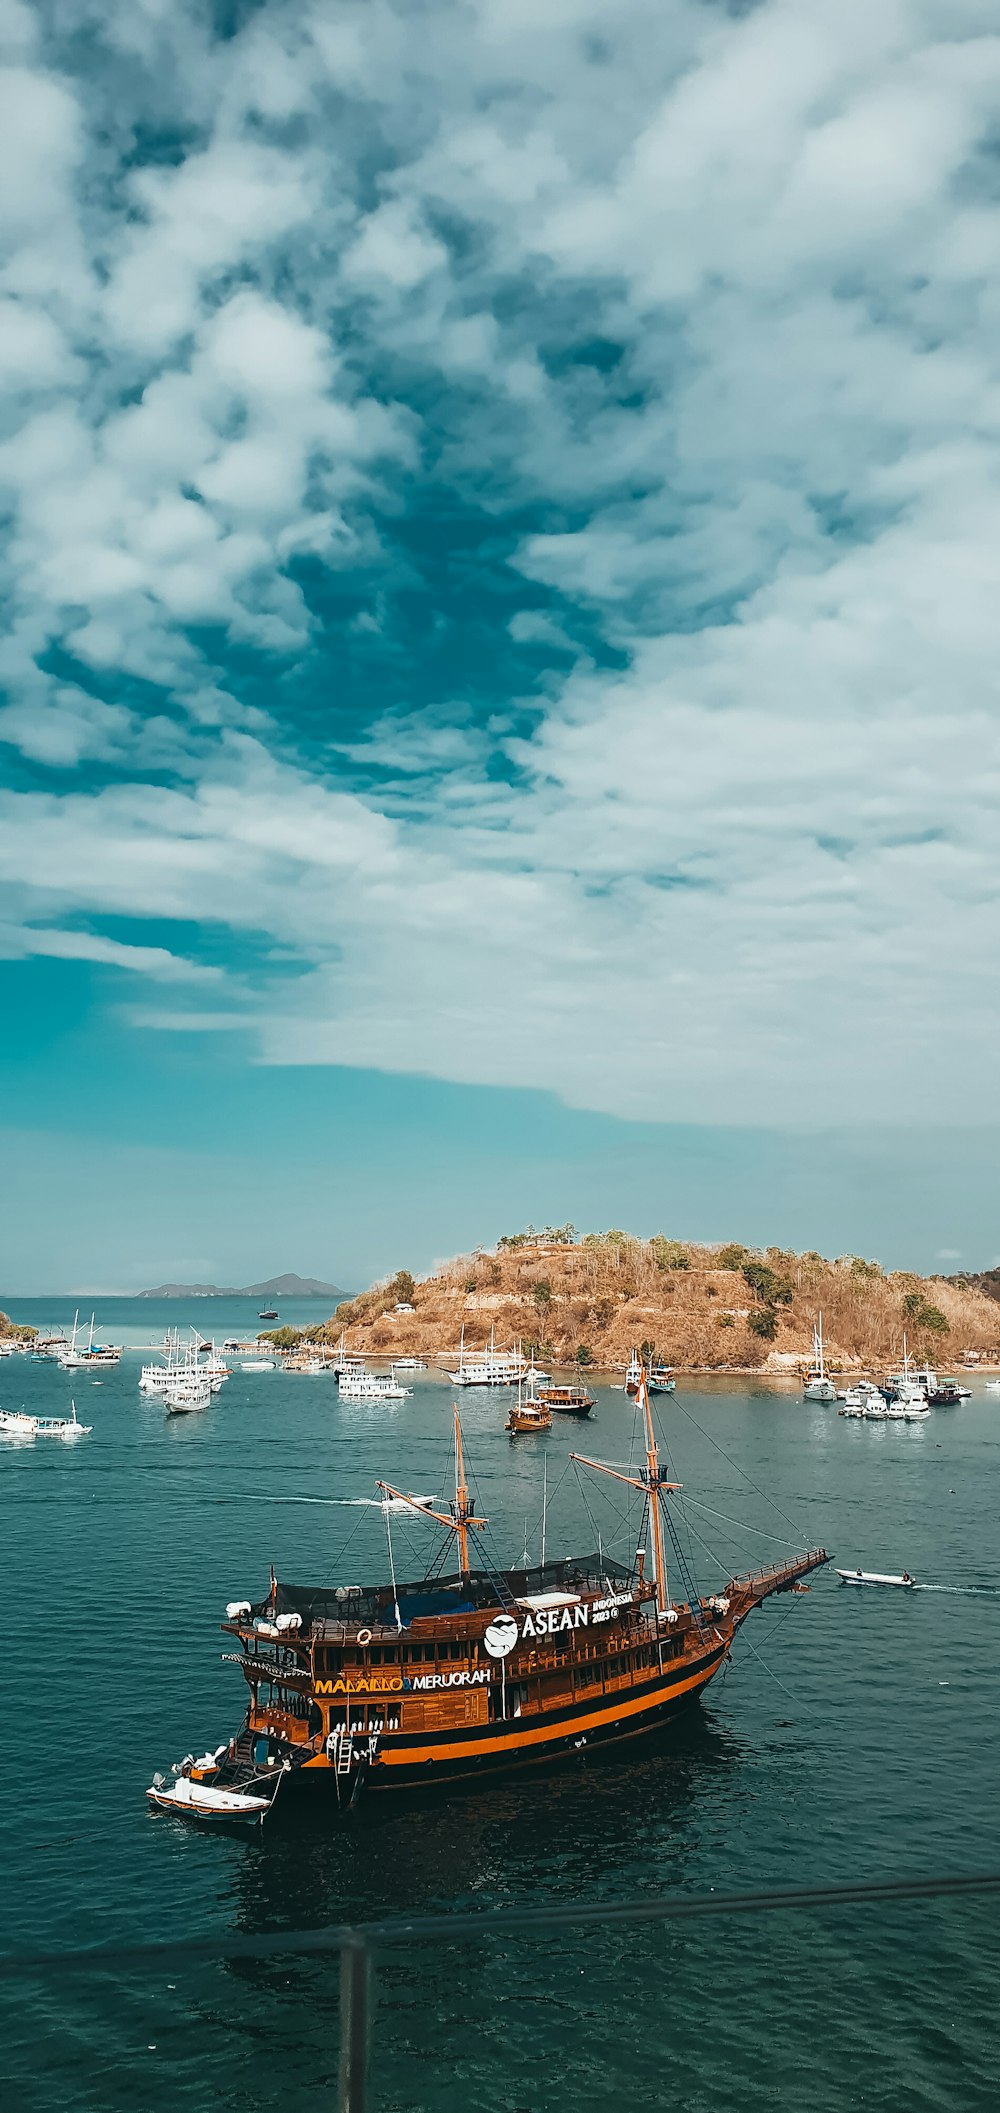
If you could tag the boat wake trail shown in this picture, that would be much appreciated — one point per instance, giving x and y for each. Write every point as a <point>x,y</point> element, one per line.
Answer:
<point>384,1503</point>
<point>964,1591</point>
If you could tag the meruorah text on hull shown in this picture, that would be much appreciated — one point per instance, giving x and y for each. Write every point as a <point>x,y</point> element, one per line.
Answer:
<point>477,1671</point>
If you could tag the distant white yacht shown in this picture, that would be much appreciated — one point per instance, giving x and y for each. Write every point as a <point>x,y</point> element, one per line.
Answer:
<point>817,1386</point>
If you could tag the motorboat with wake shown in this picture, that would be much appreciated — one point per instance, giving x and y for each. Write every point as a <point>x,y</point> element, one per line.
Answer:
<point>877,1577</point>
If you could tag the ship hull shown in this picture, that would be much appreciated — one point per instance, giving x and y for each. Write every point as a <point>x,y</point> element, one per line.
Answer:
<point>478,1753</point>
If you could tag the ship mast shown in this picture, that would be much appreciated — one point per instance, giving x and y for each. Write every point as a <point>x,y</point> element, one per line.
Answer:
<point>462,1514</point>
<point>652,1479</point>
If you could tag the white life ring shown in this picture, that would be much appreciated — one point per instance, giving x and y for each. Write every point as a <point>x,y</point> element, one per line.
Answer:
<point>364,1636</point>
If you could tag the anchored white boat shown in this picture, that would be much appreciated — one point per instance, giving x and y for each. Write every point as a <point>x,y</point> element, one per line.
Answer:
<point>877,1577</point>
<point>817,1386</point>
<point>73,1358</point>
<point>259,1364</point>
<point>633,1374</point>
<point>661,1380</point>
<point>182,1366</point>
<point>859,1398</point>
<point>914,1383</point>
<point>192,1390</point>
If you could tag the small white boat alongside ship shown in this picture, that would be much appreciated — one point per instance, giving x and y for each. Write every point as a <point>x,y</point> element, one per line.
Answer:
<point>204,1801</point>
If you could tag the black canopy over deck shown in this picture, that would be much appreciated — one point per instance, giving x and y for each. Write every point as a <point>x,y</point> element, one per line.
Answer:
<point>444,1596</point>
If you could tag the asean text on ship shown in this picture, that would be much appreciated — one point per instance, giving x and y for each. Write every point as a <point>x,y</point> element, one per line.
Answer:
<point>479,1671</point>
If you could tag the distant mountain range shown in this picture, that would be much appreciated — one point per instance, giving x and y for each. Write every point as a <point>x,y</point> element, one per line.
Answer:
<point>287,1287</point>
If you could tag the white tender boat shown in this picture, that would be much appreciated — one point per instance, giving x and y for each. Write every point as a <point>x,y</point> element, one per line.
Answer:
<point>817,1386</point>
<point>259,1364</point>
<point>202,1801</point>
<point>877,1577</point>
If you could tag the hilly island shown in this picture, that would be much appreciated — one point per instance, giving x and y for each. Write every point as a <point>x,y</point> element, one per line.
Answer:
<point>286,1287</point>
<point>702,1308</point>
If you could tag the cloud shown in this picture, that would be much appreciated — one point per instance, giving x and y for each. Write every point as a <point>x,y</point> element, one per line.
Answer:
<point>686,318</point>
<point>156,962</point>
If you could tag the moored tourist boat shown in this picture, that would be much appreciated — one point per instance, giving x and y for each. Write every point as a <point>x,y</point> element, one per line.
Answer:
<point>634,1373</point>
<point>72,1357</point>
<point>483,1671</point>
<point>189,1391</point>
<point>492,1367</point>
<point>371,1386</point>
<point>528,1416</point>
<point>661,1380</point>
<point>860,1397</point>
<point>567,1401</point>
<point>817,1386</point>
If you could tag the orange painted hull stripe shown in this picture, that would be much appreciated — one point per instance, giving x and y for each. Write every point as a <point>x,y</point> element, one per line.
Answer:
<point>540,1734</point>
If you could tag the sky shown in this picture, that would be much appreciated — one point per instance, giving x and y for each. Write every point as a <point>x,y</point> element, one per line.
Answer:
<point>500,652</point>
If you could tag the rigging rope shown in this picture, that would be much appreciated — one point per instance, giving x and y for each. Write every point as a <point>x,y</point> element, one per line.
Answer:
<point>799,1531</point>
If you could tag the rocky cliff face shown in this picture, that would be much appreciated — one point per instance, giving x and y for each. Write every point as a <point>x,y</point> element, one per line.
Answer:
<point>701,1308</point>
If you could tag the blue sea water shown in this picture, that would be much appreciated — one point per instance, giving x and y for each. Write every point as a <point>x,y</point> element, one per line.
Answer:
<point>854,1735</point>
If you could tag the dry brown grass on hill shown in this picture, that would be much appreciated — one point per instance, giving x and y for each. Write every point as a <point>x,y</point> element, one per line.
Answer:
<point>21,1331</point>
<point>703,1308</point>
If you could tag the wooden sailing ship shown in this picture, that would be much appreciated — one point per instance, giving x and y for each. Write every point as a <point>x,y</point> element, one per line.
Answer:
<point>478,1672</point>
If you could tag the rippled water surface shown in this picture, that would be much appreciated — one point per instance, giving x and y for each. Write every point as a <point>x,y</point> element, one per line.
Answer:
<point>853,1735</point>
